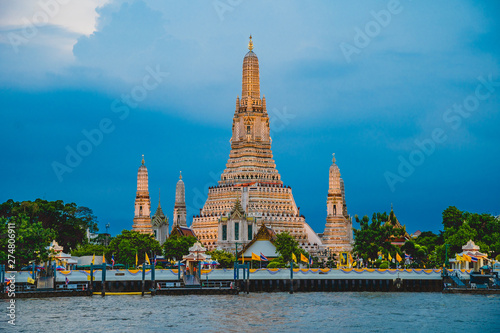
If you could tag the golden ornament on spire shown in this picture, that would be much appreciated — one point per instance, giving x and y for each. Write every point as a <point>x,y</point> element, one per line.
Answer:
<point>250,44</point>
<point>180,174</point>
<point>142,158</point>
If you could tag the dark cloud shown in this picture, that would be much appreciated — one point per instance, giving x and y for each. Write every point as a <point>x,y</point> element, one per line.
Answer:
<point>370,112</point>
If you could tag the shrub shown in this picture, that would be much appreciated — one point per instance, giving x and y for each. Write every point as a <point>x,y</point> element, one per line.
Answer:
<point>276,263</point>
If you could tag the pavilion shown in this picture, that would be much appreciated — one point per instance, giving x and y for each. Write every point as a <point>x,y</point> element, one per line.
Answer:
<point>469,250</point>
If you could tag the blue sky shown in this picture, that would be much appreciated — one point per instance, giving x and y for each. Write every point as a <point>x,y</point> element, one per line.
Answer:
<point>406,93</point>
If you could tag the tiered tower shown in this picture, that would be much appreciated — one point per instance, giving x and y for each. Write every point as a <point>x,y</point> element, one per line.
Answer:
<point>251,175</point>
<point>338,228</point>
<point>160,223</point>
<point>180,204</point>
<point>142,217</point>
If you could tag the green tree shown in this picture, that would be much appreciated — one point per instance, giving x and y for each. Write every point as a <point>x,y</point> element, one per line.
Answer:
<point>224,258</point>
<point>177,246</point>
<point>457,238</point>
<point>129,243</point>
<point>88,250</point>
<point>460,227</point>
<point>286,245</point>
<point>416,251</point>
<point>488,231</point>
<point>31,241</point>
<point>102,239</point>
<point>374,237</point>
<point>68,221</point>
<point>452,217</point>
<point>430,240</point>
<point>277,263</point>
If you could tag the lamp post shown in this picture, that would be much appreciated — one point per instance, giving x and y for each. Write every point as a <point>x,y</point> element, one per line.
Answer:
<point>107,234</point>
<point>446,262</point>
<point>236,251</point>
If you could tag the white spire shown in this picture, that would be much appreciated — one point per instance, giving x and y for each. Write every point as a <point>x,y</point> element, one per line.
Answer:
<point>180,203</point>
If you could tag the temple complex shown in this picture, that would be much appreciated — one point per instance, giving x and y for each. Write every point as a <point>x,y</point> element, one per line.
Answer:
<point>250,196</point>
<point>250,191</point>
<point>142,216</point>
<point>338,229</point>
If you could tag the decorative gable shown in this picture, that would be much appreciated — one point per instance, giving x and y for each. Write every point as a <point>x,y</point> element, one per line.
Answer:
<point>237,212</point>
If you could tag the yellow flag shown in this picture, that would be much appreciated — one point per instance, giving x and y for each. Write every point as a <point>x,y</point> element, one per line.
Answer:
<point>389,256</point>
<point>147,259</point>
<point>255,257</point>
<point>93,259</point>
<point>294,257</point>
<point>350,257</point>
<point>30,280</point>
<point>467,257</point>
<point>303,258</point>
<point>398,257</point>
<point>136,259</point>
<point>103,259</point>
<point>458,258</point>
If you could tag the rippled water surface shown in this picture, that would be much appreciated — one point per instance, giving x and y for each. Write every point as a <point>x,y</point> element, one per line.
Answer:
<point>261,312</point>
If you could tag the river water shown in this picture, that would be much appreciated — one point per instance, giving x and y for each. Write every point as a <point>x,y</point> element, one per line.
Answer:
<point>260,312</point>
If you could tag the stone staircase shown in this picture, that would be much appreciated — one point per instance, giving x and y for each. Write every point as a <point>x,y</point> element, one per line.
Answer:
<point>457,281</point>
<point>191,281</point>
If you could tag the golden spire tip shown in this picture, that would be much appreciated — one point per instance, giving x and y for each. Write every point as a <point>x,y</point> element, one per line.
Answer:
<point>250,44</point>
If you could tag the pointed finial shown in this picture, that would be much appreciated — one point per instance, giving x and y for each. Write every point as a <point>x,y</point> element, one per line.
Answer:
<point>333,160</point>
<point>250,44</point>
<point>391,207</point>
<point>180,175</point>
<point>142,159</point>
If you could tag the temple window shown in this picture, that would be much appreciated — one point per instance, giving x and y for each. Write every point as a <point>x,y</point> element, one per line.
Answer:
<point>236,231</point>
<point>249,232</point>
<point>224,232</point>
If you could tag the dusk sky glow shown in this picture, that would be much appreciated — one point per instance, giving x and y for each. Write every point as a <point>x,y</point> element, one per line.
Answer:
<point>405,93</point>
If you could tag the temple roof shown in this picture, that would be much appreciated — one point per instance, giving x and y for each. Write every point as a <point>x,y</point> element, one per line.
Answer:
<point>393,220</point>
<point>197,248</point>
<point>250,54</point>
<point>470,246</point>
<point>159,211</point>
<point>237,210</point>
<point>263,234</point>
<point>182,231</point>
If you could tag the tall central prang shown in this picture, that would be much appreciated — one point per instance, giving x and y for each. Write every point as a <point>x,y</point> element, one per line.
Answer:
<point>250,191</point>
<point>251,158</point>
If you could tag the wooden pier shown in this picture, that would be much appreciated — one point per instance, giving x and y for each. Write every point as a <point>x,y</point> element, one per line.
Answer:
<point>230,282</point>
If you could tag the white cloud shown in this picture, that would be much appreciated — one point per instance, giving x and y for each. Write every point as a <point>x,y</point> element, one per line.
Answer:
<point>72,15</point>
